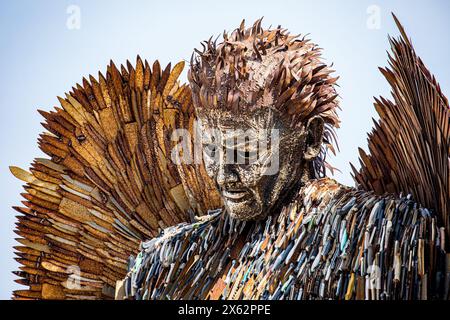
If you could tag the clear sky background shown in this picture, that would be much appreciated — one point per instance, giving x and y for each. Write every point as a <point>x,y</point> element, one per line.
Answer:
<point>42,56</point>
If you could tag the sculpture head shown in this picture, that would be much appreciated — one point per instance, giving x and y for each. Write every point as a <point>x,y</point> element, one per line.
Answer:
<point>267,107</point>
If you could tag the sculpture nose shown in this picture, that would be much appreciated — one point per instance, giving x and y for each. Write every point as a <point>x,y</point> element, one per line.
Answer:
<point>227,174</point>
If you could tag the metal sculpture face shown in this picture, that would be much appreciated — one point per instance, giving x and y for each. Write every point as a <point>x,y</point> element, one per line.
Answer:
<point>276,86</point>
<point>257,160</point>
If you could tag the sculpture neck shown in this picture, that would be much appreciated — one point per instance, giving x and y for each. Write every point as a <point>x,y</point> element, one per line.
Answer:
<point>293,191</point>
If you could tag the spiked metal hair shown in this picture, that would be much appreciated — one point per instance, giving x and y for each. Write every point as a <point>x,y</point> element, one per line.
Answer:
<point>256,68</point>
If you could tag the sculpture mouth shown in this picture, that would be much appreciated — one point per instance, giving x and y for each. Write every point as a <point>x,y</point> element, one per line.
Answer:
<point>235,195</point>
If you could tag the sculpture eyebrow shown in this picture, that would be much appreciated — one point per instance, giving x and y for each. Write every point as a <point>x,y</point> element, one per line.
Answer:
<point>234,141</point>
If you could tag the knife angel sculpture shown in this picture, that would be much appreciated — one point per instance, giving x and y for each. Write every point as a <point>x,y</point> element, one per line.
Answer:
<point>110,183</point>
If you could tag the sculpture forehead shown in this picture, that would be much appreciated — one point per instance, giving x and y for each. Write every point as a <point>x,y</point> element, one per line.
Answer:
<point>225,119</point>
<point>254,124</point>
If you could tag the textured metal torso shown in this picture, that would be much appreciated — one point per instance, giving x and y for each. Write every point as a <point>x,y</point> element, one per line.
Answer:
<point>331,242</point>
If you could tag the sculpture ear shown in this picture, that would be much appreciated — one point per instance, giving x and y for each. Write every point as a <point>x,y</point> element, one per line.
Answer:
<point>314,138</point>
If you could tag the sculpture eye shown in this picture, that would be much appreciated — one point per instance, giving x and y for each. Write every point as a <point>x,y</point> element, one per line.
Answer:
<point>210,149</point>
<point>243,156</point>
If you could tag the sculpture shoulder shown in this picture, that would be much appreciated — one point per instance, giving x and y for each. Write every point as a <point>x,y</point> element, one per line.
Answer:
<point>333,238</point>
<point>174,260</point>
<point>322,193</point>
<point>181,230</point>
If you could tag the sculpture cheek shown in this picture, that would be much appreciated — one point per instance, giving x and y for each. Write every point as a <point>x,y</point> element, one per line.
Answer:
<point>212,171</point>
<point>250,175</point>
<point>211,168</point>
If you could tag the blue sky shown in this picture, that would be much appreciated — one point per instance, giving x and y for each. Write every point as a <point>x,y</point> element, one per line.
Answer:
<point>42,58</point>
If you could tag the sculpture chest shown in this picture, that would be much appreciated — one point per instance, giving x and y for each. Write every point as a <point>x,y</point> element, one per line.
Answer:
<point>344,244</point>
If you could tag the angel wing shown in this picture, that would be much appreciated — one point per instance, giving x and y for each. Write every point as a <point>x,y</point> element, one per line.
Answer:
<point>409,147</point>
<point>109,182</point>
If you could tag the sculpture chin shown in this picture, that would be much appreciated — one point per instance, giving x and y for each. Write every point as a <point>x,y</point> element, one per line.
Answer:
<point>246,209</point>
